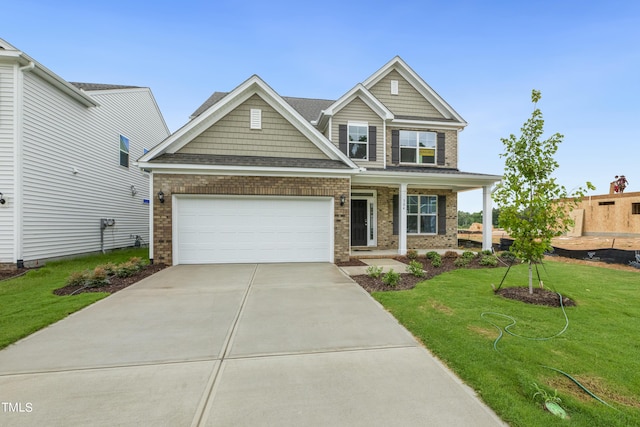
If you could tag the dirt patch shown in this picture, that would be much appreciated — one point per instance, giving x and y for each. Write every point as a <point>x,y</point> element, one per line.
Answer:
<point>595,386</point>
<point>115,283</point>
<point>540,296</point>
<point>353,262</point>
<point>621,267</point>
<point>10,274</point>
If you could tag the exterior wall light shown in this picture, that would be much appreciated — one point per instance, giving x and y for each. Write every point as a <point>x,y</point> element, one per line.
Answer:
<point>133,190</point>
<point>342,200</point>
<point>161,196</point>
<point>2,200</point>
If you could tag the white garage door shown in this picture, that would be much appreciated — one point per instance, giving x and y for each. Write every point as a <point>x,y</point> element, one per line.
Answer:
<point>252,229</point>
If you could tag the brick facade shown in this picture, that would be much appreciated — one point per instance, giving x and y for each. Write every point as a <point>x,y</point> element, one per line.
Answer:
<point>171,184</point>
<point>386,238</point>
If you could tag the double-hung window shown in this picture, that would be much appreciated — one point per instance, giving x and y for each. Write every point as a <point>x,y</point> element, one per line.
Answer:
<point>422,214</point>
<point>358,140</point>
<point>418,147</point>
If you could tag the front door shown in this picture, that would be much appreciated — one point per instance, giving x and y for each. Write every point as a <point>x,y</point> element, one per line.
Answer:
<point>358,223</point>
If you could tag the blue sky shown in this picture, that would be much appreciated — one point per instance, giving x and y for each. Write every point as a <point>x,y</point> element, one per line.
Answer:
<point>482,57</point>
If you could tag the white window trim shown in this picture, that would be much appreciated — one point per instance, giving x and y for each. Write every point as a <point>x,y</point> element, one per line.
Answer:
<point>418,215</point>
<point>360,124</point>
<point>417,148</point>
<point>255,119</point>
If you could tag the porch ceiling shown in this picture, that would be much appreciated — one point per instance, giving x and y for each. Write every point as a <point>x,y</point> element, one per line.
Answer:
<point>444,179</point>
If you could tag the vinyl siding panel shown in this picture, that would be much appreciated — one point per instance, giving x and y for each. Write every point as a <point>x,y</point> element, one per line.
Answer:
<point>62,210</point>
<point>358,111</point>
<point>7,170</point>
<point>231,135</point>
<point>408,102</point>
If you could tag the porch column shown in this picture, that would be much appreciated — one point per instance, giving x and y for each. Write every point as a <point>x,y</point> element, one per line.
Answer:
<point>487,218</point>
<point>402,220</point>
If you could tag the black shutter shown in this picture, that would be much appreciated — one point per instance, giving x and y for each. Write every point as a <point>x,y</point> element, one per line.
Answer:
<point>442,215</point>
<point>395,146</point>
<point>396,222</point>
<point>440,146</point>
<point>342,138</point>
<point>372,143</point>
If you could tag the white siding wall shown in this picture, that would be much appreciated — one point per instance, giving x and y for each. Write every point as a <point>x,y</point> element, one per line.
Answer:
<point>7,136</point>
<point>62,210</point>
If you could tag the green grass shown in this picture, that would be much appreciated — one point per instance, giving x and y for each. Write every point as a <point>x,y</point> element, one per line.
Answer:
<point>601,347</point>
<point>27,303</point>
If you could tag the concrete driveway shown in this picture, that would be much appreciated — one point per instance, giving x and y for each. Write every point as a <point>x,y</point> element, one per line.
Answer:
<point>232,345</point>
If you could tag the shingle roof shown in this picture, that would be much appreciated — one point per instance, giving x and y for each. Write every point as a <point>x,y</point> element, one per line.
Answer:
<point>309,108</point>
<point>257,161</point>
<point>101,86</point>
<point>423,169</point>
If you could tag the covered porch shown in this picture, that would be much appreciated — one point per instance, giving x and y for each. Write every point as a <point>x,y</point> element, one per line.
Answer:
<point>397,209</point>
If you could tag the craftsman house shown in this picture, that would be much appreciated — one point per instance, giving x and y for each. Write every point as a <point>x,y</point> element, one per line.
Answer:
<point>68,184</point>
<point>257,177</point>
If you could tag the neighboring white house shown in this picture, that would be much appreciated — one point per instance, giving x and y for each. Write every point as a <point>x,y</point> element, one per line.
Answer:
<point>68,183</point>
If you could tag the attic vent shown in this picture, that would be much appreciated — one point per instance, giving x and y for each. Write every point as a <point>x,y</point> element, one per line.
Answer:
<point>256,118</point>
<point>606,203</point>
<point>394,87</point>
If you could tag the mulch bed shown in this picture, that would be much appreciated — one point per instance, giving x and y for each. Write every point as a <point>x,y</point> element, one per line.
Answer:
<point>353,262</point>
<point>115,283</point>
<point>540,296</point>
<point>8,274</point>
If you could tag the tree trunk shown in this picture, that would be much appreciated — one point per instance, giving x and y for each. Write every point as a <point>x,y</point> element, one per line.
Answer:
<point>530,279</point>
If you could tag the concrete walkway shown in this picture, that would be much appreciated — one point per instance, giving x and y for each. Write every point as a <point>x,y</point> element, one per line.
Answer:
<point>232,345</point>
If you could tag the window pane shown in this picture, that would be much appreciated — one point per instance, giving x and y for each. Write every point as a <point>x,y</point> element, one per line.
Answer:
<point>412,224</point>
<point>357,133</point>
<point>358,151</point>
<point>124,144</point>
<point>428,204</point>
<point>408,139</point>
<point>427,139</point>
<point>428,224</point>
<point>412,204</point>
<point>124,159</point>
<point>427,155</point>
<point>408,155</point>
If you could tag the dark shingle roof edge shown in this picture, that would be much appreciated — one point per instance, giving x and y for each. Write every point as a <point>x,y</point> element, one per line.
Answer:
<point>250,161</point>
<point>101,86</point>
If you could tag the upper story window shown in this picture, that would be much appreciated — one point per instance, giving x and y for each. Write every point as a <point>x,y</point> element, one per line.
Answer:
<point>417,147</point>
<point>358,134</point>
<point>124,151</point>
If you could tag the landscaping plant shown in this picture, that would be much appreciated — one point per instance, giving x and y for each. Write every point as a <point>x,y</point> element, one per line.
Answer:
<point>415,268</point>
<point>374,271</point>
<point>391,278</point>
<point>533,206</point>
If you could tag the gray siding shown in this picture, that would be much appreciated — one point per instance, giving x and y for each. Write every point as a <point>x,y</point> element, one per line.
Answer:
<point>231,136</point>
<point>7,171</point>
<point>62,210</point>
<point>408,102</point>
<point>358,111</point>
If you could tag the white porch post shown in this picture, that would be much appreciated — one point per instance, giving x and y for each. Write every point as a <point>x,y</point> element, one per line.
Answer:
<point>487,220</point>
<point>402,217</point>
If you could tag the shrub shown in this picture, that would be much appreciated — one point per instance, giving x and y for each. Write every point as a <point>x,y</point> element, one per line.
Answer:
<point>487,252</point>
<point>415,268</point>
<point>451,254</point>
<point>126,269</point>
<point>109,268</point>
<point>391,278</point>
<point>468,255</point>
<point>462,262</point>
<point>98,277</point>
<point>432,254</point>
<point>77,278</point>
<point>138,262</point>
<point>437,261</point>
<point>412,254</point>
<point>508,256</point>
<point>488,260</point>
<point>374,271</point>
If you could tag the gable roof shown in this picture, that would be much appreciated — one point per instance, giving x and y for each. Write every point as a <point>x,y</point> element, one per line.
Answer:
<point>418,83</point>
<point>358,91</point>
<point>222,104</point>
<point>101,86</point>
<point>309,108</point>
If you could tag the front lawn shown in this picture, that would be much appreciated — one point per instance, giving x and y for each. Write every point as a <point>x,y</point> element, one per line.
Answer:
<point>27,303</point>
<point>452,314</point>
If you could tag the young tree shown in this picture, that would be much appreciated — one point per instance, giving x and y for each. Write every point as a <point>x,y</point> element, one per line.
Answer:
<point>533,206</point>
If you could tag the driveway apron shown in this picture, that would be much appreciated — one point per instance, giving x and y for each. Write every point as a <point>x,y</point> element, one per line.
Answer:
<point>232,345</point>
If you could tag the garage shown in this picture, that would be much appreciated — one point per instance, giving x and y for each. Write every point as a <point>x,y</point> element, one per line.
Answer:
<point>252,229</point>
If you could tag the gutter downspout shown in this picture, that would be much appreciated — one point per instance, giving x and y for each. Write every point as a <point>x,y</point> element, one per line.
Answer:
<point>18,162</point>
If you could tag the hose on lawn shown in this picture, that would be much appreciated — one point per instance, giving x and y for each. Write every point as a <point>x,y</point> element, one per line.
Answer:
<point>513,323</point>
